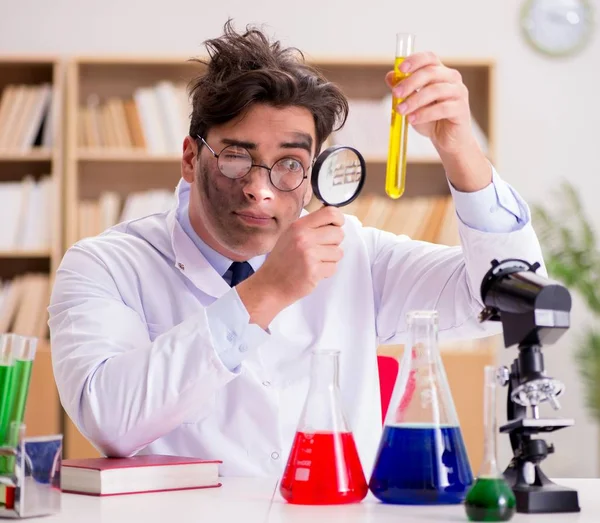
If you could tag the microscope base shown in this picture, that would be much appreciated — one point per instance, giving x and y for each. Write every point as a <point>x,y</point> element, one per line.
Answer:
<point>548,498</point>
<point>541,495</point>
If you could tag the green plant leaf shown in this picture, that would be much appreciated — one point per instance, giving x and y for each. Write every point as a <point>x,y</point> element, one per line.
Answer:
<point>572,257</point>
<point>569,244</point>
<point>588,360</point>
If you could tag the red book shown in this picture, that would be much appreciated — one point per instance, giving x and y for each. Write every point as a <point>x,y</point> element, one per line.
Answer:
<point>152,473</point>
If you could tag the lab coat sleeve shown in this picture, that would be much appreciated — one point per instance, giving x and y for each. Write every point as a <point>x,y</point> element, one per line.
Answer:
<point>235,337</point>
<point>121,389</point>
<point>409,275</point>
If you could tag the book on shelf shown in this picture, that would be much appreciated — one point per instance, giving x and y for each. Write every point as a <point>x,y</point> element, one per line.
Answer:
<point>137,474</point>
<point>25,117</point>
<point>26,209</point>
<point>95,216</point>
<point>23,304</point>
<point>154,119</point>
<point>426,218</point>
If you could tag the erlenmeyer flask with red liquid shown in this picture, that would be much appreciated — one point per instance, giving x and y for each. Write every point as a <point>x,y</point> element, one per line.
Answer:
<point>422,458</point>
<point>323,467</point>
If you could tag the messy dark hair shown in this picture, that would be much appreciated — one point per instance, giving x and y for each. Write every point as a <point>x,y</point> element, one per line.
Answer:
<point>244,69</point>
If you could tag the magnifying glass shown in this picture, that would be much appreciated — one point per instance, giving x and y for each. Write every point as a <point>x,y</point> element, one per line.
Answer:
<point>338,175</point>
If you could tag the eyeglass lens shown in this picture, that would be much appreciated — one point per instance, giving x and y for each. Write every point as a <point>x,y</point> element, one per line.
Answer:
<point>234,162</point>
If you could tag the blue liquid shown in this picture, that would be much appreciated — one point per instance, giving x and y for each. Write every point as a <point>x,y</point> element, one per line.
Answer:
<point>421,465</point>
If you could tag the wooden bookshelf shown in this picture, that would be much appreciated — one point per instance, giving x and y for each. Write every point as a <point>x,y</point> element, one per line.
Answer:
<point>41,154</point>
<point>92,170</point>
<point>39,160</point>
<point>31,151</point>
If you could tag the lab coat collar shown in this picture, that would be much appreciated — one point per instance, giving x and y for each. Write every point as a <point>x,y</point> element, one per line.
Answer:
<point>187,258</point>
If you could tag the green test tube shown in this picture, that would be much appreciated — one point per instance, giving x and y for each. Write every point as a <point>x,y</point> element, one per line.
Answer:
<point>7,366</point>
<point>24,353</point>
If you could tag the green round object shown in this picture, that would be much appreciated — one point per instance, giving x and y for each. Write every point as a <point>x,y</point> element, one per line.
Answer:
<point>490,499</point>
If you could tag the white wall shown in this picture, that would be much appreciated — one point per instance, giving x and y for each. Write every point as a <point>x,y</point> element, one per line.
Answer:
<point>548,110</point>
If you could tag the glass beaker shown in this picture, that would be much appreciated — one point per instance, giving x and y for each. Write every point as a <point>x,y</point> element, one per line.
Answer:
<point>395,177</point>
<point>422,457</point>
<point>323,467</point>
<point>490,498</point>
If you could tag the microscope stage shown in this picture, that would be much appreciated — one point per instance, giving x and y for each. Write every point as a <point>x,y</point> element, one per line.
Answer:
<point>537,425</point>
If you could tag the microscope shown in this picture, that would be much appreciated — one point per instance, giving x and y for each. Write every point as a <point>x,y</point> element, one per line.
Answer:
<point>534,311</point>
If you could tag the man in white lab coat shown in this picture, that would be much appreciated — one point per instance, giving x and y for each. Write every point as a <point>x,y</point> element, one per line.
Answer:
<point>190,332</point>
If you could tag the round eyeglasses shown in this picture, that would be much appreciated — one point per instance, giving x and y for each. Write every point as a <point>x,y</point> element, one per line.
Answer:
<point>234,161</point>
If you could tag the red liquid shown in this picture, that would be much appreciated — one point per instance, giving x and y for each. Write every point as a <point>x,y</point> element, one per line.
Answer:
<point>323,469</point>
<point>9,501</point>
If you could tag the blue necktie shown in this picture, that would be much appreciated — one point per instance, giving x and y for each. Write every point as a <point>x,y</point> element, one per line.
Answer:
<point>239,272</point>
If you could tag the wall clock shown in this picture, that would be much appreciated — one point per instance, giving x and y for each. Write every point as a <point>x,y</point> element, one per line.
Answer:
<point>557,27</point>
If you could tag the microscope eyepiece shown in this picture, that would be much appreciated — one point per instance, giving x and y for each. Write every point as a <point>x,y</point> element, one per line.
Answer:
<point>533,309</point>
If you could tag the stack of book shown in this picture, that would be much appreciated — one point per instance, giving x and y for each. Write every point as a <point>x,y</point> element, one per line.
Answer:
<point>23,304</point>
<point>426,218</point>
<point>155,120</point>
<point>95,216</point>
<point>25,117</point>
<point>26,214</point>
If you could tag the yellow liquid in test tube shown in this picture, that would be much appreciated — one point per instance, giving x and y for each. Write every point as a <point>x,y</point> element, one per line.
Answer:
<point>395,178</point>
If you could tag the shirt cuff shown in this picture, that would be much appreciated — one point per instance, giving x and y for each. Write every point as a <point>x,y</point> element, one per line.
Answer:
<point>232,334</point>
<point>495,208</point>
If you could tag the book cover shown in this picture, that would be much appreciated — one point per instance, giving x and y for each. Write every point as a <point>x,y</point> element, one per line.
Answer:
<point>137,474</point>
<point>153,460</point>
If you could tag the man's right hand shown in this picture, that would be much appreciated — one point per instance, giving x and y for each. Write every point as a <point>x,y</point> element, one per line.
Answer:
<point>306,253</point>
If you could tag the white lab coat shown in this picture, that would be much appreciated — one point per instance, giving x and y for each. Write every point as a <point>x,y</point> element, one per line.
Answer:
<point>136,366</point>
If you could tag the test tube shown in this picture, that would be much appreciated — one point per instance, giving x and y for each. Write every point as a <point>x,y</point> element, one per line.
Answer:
<point>395,178</point>
<point>7,366</point>
<point>24,353</point>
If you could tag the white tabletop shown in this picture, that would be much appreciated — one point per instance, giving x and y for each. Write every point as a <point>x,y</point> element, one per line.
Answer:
<point>258,500</point>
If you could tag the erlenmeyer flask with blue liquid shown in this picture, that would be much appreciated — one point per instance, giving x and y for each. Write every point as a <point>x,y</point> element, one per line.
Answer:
<point>422,457</point>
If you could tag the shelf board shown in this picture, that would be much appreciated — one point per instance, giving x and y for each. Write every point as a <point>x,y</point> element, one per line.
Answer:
<point>27,60</point>
<point>25,254</point>
<point>124,155</point>
<point>33,155</point>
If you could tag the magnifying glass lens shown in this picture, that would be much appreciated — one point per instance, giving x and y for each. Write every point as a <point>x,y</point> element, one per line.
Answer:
<point>338,175</point>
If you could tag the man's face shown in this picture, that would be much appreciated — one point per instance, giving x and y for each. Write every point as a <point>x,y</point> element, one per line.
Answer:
<point>244,217</point>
